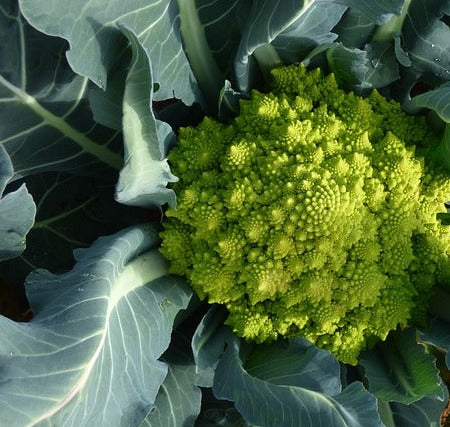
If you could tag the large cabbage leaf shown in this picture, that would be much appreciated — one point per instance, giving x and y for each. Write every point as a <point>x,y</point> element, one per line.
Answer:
<point>410,46</point>
<point>90,354</point>
<point>96,42</point>
<point>98,37</point>
<point>291,385</point>
<point>67,161</point>
<point>46,121</point>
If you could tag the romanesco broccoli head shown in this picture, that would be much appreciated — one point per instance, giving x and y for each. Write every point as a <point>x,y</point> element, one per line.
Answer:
<point>309,214</point>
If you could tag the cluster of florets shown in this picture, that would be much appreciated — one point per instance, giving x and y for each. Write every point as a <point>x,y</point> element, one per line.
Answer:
<point>309,214</point>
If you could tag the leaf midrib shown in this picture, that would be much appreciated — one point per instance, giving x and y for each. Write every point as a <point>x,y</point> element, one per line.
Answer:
<point>100,152</point>
<point>142,270</point>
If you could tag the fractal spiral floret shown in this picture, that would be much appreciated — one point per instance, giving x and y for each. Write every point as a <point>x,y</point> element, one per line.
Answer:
<point>310,214</point>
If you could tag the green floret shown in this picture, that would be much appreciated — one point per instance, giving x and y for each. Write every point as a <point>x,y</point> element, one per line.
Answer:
<point>310,215</point>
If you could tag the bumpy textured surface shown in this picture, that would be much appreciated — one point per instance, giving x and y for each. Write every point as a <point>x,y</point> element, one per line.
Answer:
<point>309,215</point>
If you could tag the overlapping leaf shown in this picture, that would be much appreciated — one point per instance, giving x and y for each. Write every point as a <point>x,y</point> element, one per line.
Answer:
<point>438,332</point>
<point>297,385</point>
<point>96,43</point>
<point>378,11</point>
<point>312,28</point>
<point>217,412</point>
<point>424,412</point>
<point>303,24</point>
<point>425,38</point>
<point>178,400</point>
<point>399,370</point>
<point>17,210</point>
<point>90,355</point>
<point>46,122</point>
<point>437,100</point>
<point>354,29</point>
<point>145,175</point>
<point>208,344</point>
<point>374,66</point>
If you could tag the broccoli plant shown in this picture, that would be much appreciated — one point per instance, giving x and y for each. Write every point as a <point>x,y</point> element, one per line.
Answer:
<point>305,213</point>
<point>310,215</point>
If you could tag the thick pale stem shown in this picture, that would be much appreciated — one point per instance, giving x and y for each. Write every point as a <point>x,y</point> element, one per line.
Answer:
<point>203,65</point>
<point>386,413</point>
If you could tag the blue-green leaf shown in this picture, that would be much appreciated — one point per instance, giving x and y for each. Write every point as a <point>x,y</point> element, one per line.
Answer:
<point>222,22</point>
<point>229,101</point>
<point>437,100</point>
<point>399,370</point>
<point>217,412</point>
<point>313,28</point>
<point>378,11</point>
<point>208,344</point>
<point>350,66</point>
<point>106,105</point>
<point>354,29</point>
<point>145,175</point>
<point>90,354</point>
<point>424,412</point>
<point>438,332</point>
<point>179,398</point>
<point>402,56</point>
<point>296,363</point>
<point>17,211</point>
<point>374,66</point>
<point>178,401</point>
<point>46,122</point>
<point>300,24</point>
<point>198,47</point>
<point>297,398</point>
<point>96,43</point>
<point>425,38</point>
